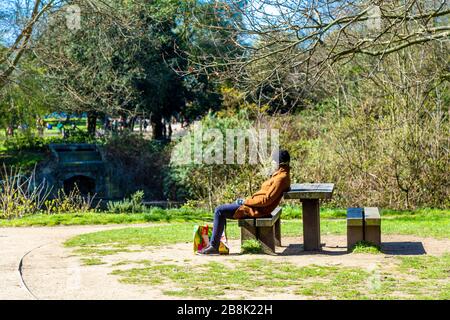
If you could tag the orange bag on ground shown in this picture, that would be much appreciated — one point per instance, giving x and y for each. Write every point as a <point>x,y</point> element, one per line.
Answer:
<point>201,237</point>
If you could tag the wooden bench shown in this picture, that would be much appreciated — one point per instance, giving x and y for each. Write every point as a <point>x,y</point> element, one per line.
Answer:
<point>266,230</point>
<point>363,224</point>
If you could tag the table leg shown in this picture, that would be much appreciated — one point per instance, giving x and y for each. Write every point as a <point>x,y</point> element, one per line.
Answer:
<point>311,224</point>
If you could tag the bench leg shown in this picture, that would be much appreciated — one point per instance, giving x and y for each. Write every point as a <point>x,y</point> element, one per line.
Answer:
<point>248,233</point>
<point>267,239</point>
<point>373,235</point>
<point>354,235</point>
<point>311,224</point>
<point>278,233</point>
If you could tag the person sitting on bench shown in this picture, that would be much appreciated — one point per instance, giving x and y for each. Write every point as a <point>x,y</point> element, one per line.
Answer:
<point>259,205</point>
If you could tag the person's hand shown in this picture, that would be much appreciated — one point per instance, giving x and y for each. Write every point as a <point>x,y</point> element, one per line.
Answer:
<point>240,202</point>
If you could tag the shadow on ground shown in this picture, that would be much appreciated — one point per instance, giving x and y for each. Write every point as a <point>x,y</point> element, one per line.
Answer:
<point>403,248</point>
<point>392,248</point>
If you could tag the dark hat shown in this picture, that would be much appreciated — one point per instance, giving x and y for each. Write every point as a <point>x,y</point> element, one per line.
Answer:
<point>282,156</point>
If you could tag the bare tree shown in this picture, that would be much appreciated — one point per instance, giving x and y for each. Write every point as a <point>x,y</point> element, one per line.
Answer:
<point>299,40</point>
<point>23,16</point>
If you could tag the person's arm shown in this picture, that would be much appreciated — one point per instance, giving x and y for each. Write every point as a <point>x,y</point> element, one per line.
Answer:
<point>264,200</point>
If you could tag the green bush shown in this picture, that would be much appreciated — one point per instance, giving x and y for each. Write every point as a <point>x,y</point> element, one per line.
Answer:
<point>213,184</point>
<point>138,164</point>
<point>70,202</point>
<point>366,247</point>
<point>131,205</point>
<point>251,247</point>
<point>25,141</point>
<point>76,136</point>
<point>20,196</point>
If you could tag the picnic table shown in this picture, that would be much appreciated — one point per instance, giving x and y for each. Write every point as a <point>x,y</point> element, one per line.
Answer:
<point>310,195</point>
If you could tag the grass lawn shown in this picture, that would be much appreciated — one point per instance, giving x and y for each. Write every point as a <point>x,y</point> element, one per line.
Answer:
<point>435,225</point>
<point>93,218</point>
<point>408,277</point>
<point>433,220</point>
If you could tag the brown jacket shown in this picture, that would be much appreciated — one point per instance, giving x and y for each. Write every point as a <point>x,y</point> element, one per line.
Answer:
<point>265,200</point>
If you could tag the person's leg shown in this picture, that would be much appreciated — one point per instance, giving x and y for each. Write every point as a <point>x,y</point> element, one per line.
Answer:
<point>221,213</point>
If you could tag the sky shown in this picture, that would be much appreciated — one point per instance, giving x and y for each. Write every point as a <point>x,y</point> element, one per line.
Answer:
<point>262,10</point>
<point>8,31</point>
<point>8,22</point>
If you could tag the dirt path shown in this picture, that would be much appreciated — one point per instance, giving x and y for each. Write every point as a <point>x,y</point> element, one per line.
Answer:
<point>18,243</point>
<point>51,271</point>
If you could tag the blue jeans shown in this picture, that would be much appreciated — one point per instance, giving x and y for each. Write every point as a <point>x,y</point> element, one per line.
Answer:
<point>221,213</point>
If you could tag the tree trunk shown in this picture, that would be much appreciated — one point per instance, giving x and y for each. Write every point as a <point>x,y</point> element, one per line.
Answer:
<point>132,123</point>
<point>164,129</point>
<point>91,123</point>
<point>157,126</point>
<point>170,130</point>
